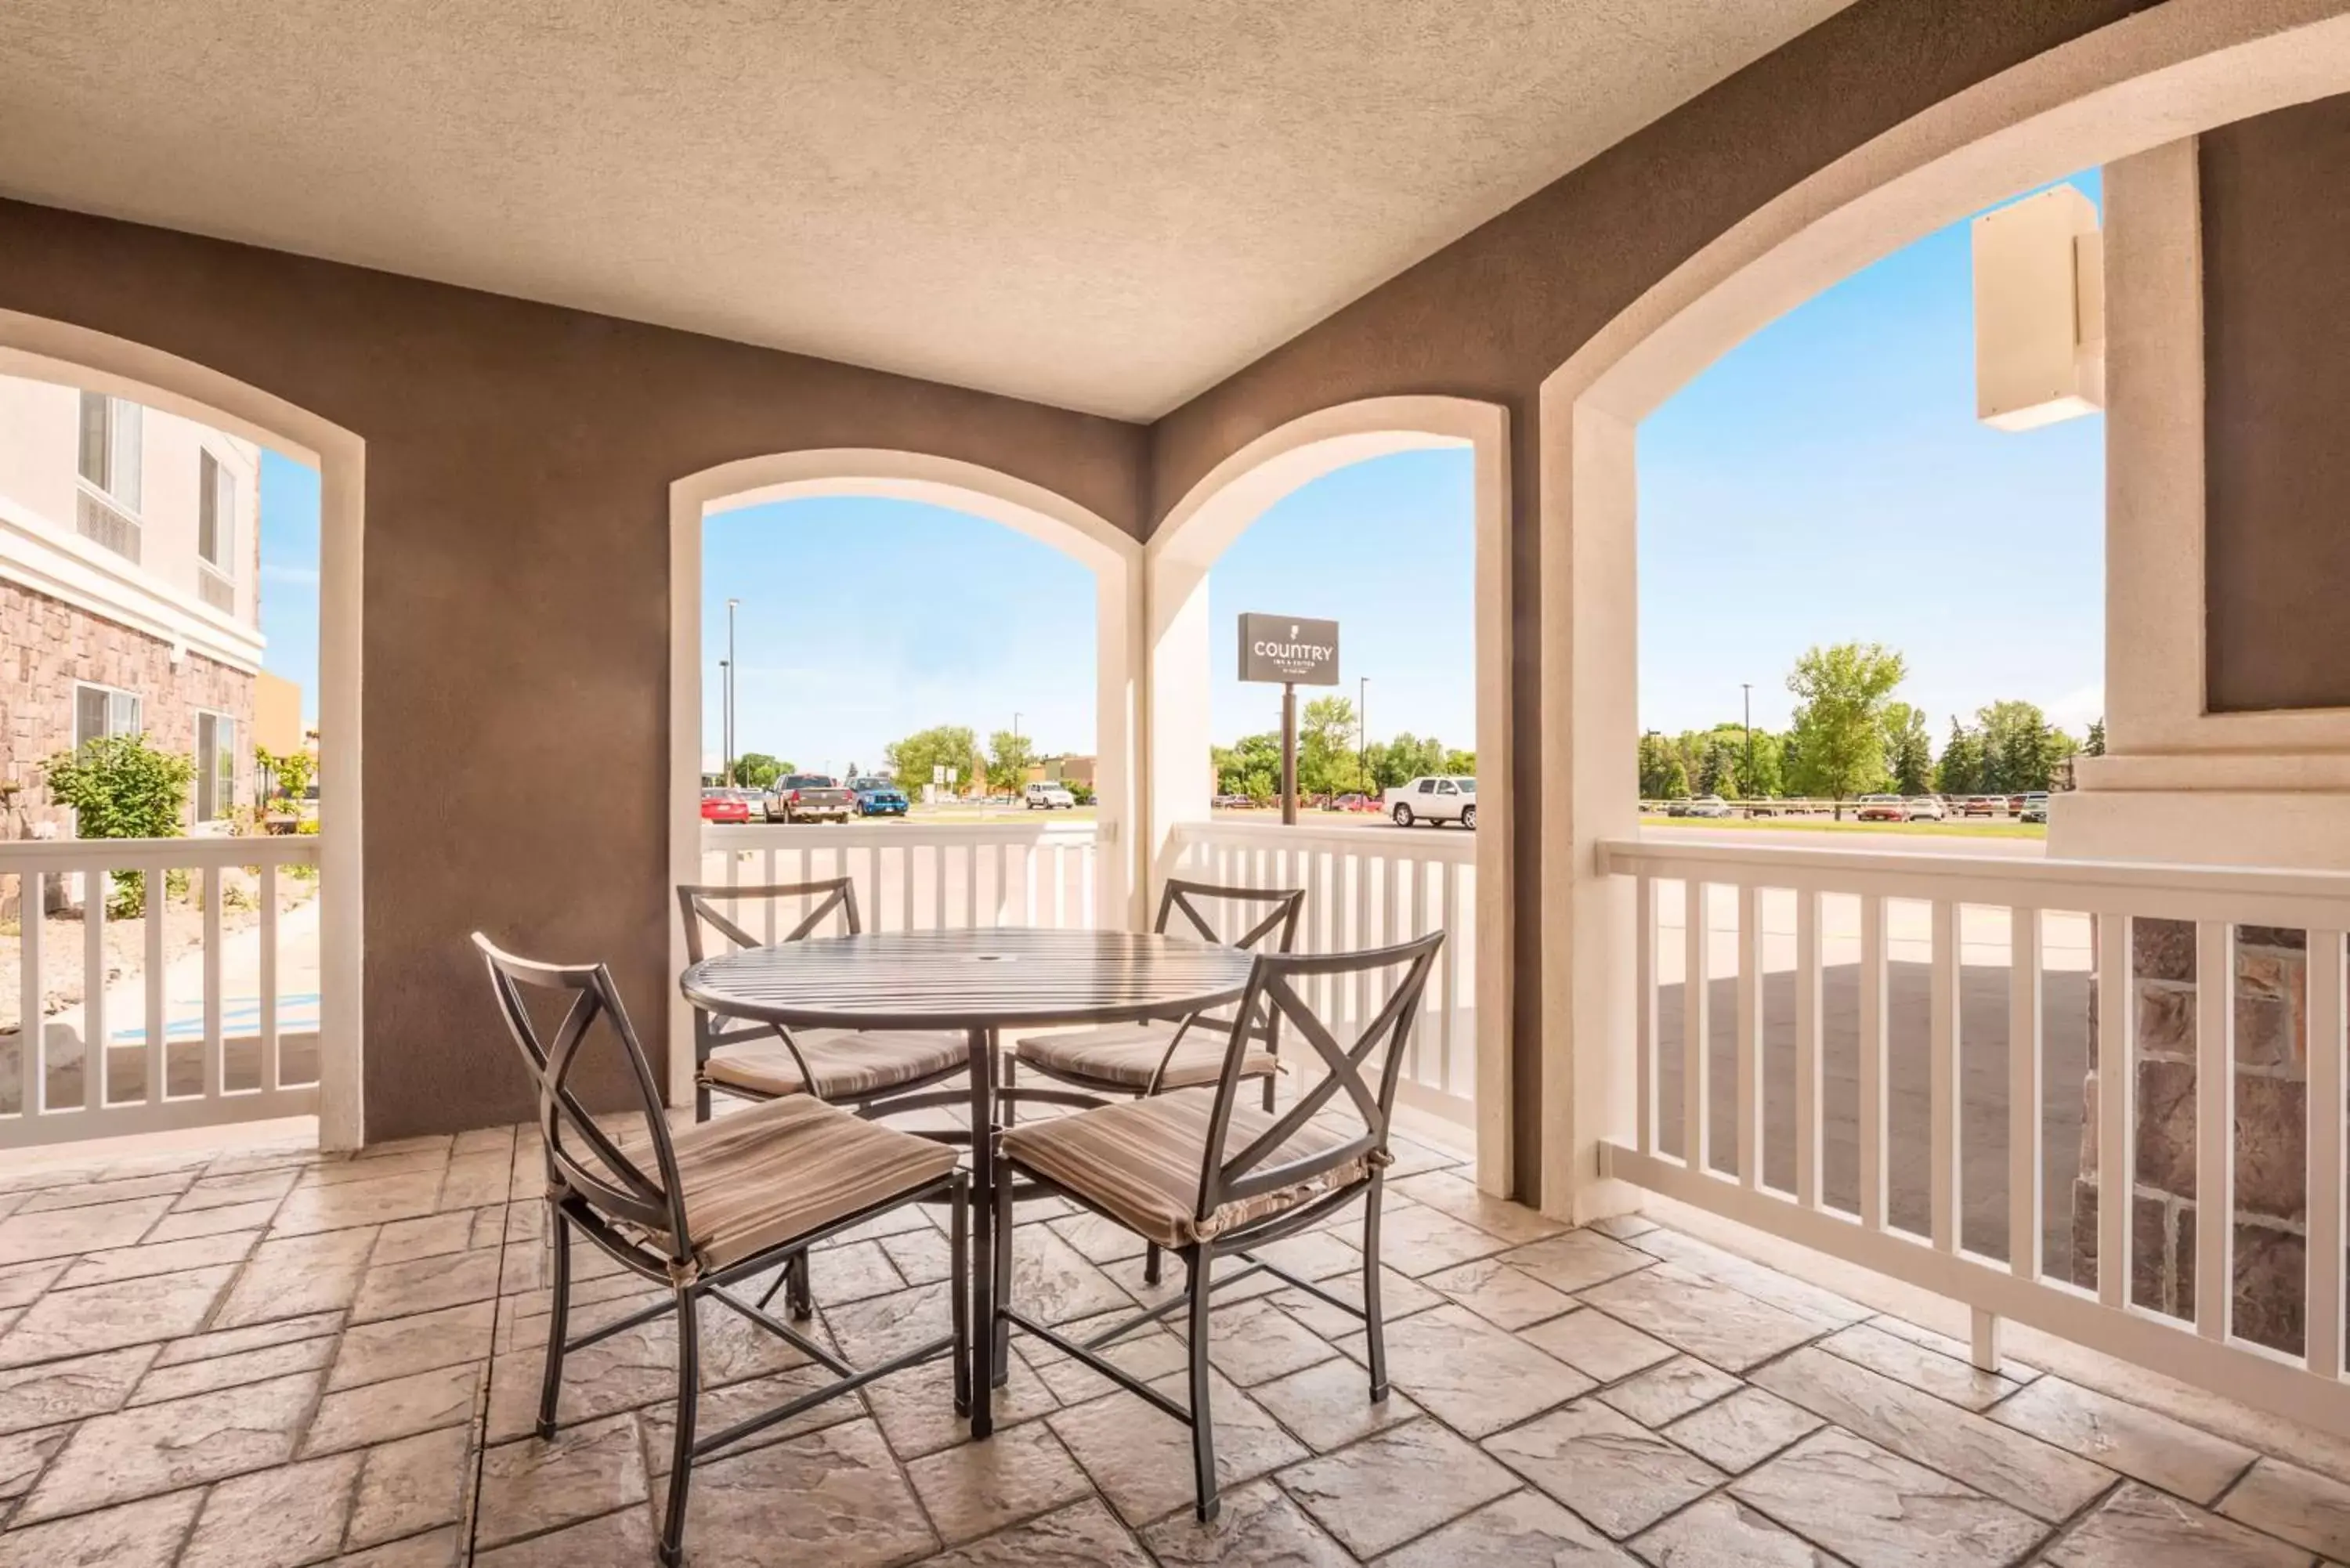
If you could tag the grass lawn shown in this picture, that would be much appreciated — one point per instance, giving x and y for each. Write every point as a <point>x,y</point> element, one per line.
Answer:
<point>2009,829</point>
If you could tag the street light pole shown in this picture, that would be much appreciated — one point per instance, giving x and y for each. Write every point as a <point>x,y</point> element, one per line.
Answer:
<point>725,725</point>
<point>1748,688</point>
<point>729,689</point>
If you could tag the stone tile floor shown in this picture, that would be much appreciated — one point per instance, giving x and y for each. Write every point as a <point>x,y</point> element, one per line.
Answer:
<point>269,1358</point>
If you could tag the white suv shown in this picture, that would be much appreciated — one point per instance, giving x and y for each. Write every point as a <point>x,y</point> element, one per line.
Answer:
<point>1044,795</point>
<point>1439,798</point>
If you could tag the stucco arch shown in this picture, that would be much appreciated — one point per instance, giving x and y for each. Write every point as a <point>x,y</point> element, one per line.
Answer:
<point>1198,530</point>
<point>2152,78</point>
<point>42,349</point>
<point>1114,557</point>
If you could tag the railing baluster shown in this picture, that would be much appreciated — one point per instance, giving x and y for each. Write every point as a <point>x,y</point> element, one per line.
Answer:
<point>971,887</point>
<point>2116,1106</point>
<point>32,1027</point>
<point>1383,985</point>
<point>2323,1292</point>
<point>1002,882</point>
<point>1871,1074</point>
<point>2024,1051</point>
<point>1361,936</point>
<point>1749,1045</point>
<point>1644,1003</point>
<point>1808,1026</point>
<point>1696,1027</point>
<point>905,887</point>
<point>273,1076</point>
<point>2215,1125</point>
<point>1448,978</point>
<point>215,1048</point>
<point>153,987</point>
<point>939,887</point>
<point>1942,1082</point>
<point>96,885</point>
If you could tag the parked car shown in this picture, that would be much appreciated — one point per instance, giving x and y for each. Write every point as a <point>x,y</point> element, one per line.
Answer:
<point>1046,795</point>
<point>724,805</point>
<point>1923,808</point>
<point>1357,802</point>
<point>1883,808</point>
<point>878,797</point>
<point>1710,806</point>
<point>1983,805</point>
<point>810,797</point>
<point>2035,807</point>
<point>1435,799</point>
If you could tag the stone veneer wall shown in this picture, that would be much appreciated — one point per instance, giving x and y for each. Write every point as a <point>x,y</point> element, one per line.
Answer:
<point>46,645</point>
<point>2272,1074</point>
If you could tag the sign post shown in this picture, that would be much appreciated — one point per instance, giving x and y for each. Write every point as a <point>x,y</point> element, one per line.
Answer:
<point>1294,652</point>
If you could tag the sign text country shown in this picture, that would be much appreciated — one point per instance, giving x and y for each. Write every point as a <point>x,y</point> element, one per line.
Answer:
<point>1289,649</point>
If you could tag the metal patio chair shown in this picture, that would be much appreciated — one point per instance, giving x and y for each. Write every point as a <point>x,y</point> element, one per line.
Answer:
<point>1124,1061</point>
<point>708,1207</point>
<point>1200,1175</point>
<point>874,1073</point>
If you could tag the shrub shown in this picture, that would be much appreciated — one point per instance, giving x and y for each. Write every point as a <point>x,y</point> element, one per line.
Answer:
<point>121,787</point>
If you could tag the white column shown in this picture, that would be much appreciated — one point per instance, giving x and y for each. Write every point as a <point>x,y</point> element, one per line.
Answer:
<point>1179,731</point>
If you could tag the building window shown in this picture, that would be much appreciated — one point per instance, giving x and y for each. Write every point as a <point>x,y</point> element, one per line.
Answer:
<point>216,766</point>
<point>216,514</point>
<point>102,711</point>
<point>109,447</point>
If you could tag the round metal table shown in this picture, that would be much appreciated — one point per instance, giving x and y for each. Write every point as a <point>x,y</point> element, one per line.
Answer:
<point>979,982</point>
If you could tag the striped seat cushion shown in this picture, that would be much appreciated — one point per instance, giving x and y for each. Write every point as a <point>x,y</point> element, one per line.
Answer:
<point>848,1064</point>
<point>766,1174</point>
<point>1140,1161</point>
<point>1127,1055</point>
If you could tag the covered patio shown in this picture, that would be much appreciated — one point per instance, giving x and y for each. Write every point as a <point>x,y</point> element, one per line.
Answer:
<point>1744,1203</point>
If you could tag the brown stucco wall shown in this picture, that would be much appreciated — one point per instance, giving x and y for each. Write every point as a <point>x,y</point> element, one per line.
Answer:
<point>1494,313</point>
<point>517,610</point>
<point>2276,337</point>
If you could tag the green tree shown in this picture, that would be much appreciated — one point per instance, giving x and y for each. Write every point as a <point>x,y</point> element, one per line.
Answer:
<point>757,770</point>
<point>120,787</point>
<point>1009,756</point>
<point>1718,757</point>
<point>1462,764</point>
<point>1908,749</point>
<point>2096,745</point>
<point>912,759</point>
<point>1960,771</point>
<point>1251,767</point>
<point>2019,748</point>
<point>1327,760</point>
<point>1842,692</point>
<point>1405,758</point>
<point>290,772</point>
<point>1663,775</point>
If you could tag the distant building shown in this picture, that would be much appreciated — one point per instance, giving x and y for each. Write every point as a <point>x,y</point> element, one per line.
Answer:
<point>1067,771</point>
<point>130,599</point>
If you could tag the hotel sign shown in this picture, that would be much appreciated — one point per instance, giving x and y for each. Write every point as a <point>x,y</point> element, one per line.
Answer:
<point>1289,650</point>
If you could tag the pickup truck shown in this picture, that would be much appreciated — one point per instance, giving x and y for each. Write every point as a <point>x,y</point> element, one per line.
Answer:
<point>1439,798</point>
<point>879,797</point>
<point>810,797</point>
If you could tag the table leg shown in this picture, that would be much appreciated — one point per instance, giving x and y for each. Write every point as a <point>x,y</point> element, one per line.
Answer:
<point>981,1282</point>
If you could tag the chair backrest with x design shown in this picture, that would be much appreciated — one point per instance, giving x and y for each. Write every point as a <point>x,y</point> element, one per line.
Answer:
<point>582,1158</point>
<point>716,907</point>
<point>1231,1176</point>
<point>1193,902</point>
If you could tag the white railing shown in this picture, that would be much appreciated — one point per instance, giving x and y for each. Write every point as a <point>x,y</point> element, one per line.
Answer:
<point>1369,887</point>
<point>210,1016</point>
<point>1776,923</point>
<point>919,876</point>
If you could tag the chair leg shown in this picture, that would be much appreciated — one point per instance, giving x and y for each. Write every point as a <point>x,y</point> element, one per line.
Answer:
<point>557,1322</point>
<point>701,1101</point>
<point>1204,1416</point>
<point>959,1261</point>
<point>1374,1332</point>
<point>1010,1109</point>
<point>1151,1269</point>
<point>689,1399</point>
<point>1000,1338</point>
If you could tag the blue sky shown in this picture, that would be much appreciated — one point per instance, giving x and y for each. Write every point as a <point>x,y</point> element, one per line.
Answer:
<point>1824,481</point>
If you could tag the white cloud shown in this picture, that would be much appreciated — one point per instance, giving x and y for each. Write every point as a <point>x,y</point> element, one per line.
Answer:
<point>2077,709</point>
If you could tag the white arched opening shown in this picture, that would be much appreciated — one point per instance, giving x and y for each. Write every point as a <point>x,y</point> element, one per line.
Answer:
<point>1214,512</point>
<point>1113,555</point>
<point>41,349</point>
<point>2139,84</point>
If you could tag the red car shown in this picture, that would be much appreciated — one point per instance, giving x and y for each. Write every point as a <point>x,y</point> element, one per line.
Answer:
<point>724,805</point>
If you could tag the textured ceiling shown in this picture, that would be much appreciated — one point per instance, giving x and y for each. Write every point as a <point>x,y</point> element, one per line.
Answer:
<point>1108,205</point>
